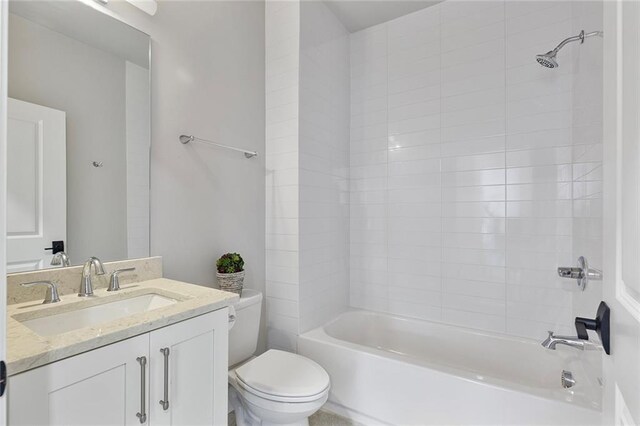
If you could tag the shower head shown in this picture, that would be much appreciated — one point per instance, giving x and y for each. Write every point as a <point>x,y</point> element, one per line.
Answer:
<point>548,60</point>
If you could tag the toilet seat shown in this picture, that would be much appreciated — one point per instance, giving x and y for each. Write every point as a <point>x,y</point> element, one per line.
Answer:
<point>283,377</point>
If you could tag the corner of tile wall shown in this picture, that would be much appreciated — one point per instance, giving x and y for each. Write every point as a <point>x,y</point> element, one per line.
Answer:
<point>282,44</point>
<point>307,144</point>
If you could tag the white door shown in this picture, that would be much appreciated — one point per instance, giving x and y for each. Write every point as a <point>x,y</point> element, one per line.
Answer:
<point>99,387</point>
<point>188,372</point>
<point>4,9</point>
<point>36,184</point>
<point>622,210</point>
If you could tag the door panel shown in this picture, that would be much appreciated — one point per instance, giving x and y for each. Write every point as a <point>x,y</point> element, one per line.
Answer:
<point>100,387</point>
<point>109,409</point>
<point>36,183</point>
<point>4,11</point>
<point>197,362</point>
<point>622,210</point>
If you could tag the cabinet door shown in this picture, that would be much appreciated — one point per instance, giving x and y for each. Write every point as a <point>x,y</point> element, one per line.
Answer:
<point>189,371</point>
<point>100,387</point>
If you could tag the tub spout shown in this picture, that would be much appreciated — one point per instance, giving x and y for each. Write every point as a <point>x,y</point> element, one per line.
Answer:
<point>575,342</point>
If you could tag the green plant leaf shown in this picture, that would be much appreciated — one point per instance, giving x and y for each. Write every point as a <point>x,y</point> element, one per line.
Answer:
<point>230,263</point>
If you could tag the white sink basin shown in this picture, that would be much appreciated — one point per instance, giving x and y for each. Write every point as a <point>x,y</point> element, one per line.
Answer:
<point>80,318</point>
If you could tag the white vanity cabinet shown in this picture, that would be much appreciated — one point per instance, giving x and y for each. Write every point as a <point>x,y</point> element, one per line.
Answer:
<point>188,372</point>
<point>97,387</point>
<point>104,386</point>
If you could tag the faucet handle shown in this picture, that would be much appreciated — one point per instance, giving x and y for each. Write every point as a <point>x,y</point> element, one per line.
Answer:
<point>114,282</point>
<point>52,290</point>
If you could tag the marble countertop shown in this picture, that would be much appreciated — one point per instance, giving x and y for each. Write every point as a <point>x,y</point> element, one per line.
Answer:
<point>26,349</point>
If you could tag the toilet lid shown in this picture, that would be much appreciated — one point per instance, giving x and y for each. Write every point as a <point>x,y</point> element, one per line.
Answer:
<point>283,374</point>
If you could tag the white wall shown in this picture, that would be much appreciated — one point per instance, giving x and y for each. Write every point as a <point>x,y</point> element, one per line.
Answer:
<point>207,73</point>
<point>462,165</point>
<point>44,68</point>
<point>138,137</point>
<point>307,103</point>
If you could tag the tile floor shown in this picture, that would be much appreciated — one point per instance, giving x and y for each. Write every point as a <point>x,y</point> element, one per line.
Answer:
<point>321,418</point>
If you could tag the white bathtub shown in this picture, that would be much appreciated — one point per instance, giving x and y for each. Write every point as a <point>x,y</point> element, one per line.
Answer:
<point>394,370</point>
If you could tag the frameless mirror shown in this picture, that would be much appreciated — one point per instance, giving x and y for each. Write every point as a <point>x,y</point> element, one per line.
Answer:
<point>78,136</point>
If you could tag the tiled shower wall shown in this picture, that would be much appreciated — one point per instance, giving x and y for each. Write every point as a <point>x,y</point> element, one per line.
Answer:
<point>587,155</point>
<point>471,165</point>
<point>282,35</point>
<point>307,147</point>
<point>324,165</point>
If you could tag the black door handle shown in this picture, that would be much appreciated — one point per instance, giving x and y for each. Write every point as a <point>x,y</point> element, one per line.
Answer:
<point>600,324</point>
<point>3,377</point>
<point>56,246</point>
<point>584,324</point>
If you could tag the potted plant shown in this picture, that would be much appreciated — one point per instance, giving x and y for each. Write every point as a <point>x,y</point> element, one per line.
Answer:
<point>230,272</point>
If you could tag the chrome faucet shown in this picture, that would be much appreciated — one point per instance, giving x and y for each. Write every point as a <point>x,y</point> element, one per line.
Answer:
<point>86,287</point>
<point>60,258</point>
<point>575,342</point>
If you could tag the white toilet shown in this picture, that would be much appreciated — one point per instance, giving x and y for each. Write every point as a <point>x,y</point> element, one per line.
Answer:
<point>275,388</point>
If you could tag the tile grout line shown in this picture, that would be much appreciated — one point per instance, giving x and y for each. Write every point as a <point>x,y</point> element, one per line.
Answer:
<point>506,239</point>
<point>440,168</point>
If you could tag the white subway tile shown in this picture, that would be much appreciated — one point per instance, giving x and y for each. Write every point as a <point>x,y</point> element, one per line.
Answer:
<point>414,153</point>
<point>474,209</point>
<point>474,162</point>
<point>540,191</point>
<point>473,225</point>
<point>426,137</point>
<point>420,281</point>
<point>546,208</point>
<point>471,174</point>
<point>481,177</point>
<point>466,303</point>
<point>474,288</point>
<point>473,240</point>
<point>473,193</point>
<point>476,320</point>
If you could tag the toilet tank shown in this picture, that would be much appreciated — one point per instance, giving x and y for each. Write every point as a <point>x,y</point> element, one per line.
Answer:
<point>243,336</point>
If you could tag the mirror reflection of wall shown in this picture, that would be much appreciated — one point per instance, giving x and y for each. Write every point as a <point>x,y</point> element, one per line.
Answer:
<point>79,132</point>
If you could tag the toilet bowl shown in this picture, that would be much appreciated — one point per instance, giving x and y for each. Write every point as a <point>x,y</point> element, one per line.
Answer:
<point>275,388</point>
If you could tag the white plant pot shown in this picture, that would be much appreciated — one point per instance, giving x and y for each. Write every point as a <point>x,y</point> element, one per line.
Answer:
<point>231,282</point>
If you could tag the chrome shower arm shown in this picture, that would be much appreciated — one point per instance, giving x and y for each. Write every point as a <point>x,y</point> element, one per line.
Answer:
<point>580,37</point>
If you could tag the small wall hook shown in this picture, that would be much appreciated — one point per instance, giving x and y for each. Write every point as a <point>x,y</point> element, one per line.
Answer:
<point>97,164</point>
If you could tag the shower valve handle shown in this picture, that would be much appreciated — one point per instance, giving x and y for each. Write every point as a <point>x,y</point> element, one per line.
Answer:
<point>581,273</point>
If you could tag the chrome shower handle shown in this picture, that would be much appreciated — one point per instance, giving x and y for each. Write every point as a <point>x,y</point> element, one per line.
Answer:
<point>570,272</point>
<point>581,273</point>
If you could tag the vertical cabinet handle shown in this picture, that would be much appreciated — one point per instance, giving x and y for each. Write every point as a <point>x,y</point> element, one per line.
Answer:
<point>142,415</point>
<point>165,402</point>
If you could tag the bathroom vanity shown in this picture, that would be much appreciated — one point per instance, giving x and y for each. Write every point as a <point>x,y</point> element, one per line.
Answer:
<point>154,352</point>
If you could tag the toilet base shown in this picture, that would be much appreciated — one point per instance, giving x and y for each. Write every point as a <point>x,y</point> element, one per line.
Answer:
<point>248,414</point>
